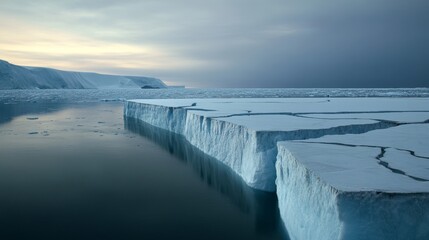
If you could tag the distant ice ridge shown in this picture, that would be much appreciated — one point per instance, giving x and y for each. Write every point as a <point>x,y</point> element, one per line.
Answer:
<point>17,77</point>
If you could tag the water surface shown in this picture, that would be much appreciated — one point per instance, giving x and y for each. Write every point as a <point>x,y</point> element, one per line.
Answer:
<point>80,171</point>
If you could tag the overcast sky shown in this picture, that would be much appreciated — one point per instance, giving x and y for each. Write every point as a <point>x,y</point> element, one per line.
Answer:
<point>231,43</point>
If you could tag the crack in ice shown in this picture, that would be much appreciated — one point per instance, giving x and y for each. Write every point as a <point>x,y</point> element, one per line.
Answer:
<point>379,156</point>
<point>299,114</point>
<point>357,118</point>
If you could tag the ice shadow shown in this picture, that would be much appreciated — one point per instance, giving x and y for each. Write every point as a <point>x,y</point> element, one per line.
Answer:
<point>260,206</point>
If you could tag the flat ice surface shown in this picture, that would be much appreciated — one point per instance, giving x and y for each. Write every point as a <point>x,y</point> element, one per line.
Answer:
<point>395,159</point>
<point>296,105</point>
<point>269,122</point>
<point>280,114</point>
<point>413,137</point>
<point>399,117</point>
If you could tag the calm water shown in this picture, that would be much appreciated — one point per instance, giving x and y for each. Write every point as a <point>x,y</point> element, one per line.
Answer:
<point>81,171</point>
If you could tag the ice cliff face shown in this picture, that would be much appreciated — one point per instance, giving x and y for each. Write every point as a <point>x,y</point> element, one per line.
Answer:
<point>17,77</point>
<point>340,167</point>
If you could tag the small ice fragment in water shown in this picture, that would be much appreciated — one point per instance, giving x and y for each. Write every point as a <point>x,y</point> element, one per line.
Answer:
<point>113,100</point>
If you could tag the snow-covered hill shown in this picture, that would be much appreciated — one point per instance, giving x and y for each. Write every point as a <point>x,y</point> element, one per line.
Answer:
<point>18,77</point>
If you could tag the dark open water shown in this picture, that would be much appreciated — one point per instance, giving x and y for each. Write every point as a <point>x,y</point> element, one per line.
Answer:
<point>81,171</point>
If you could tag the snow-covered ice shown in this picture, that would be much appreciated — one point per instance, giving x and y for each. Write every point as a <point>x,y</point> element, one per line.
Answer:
<point>347,168</point>
<point>373,185</point>
<point>242,133</point>
<point>398,117</point>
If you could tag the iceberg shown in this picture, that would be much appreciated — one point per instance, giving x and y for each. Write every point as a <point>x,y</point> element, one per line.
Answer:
<point>340,166</point>
<point>343,168</point>
<point>368,186</point>
<point>243,133</point>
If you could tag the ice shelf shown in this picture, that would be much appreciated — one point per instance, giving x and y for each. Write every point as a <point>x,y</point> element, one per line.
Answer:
<point>243,133</point>
<point>343,168</point>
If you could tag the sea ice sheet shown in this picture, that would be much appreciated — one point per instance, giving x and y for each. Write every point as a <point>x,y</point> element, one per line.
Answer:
<point>243,133</point>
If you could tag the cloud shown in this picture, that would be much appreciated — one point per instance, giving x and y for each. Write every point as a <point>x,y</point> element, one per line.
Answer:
<point>241,43</point>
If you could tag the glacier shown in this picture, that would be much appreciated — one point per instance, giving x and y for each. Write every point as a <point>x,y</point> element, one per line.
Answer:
<point>337,164</point>
<point>18,77</point>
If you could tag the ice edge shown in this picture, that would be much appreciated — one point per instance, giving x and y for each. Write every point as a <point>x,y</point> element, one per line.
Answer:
<point>251,154</point>
<point>329,213</point>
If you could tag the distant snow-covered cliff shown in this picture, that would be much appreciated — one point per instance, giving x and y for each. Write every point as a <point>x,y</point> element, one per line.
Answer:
<point>18,77</point>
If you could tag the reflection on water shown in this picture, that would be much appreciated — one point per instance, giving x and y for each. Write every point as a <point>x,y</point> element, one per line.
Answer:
<point>10,111</point>
<point>260,206</point>
<point>71,171</point>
